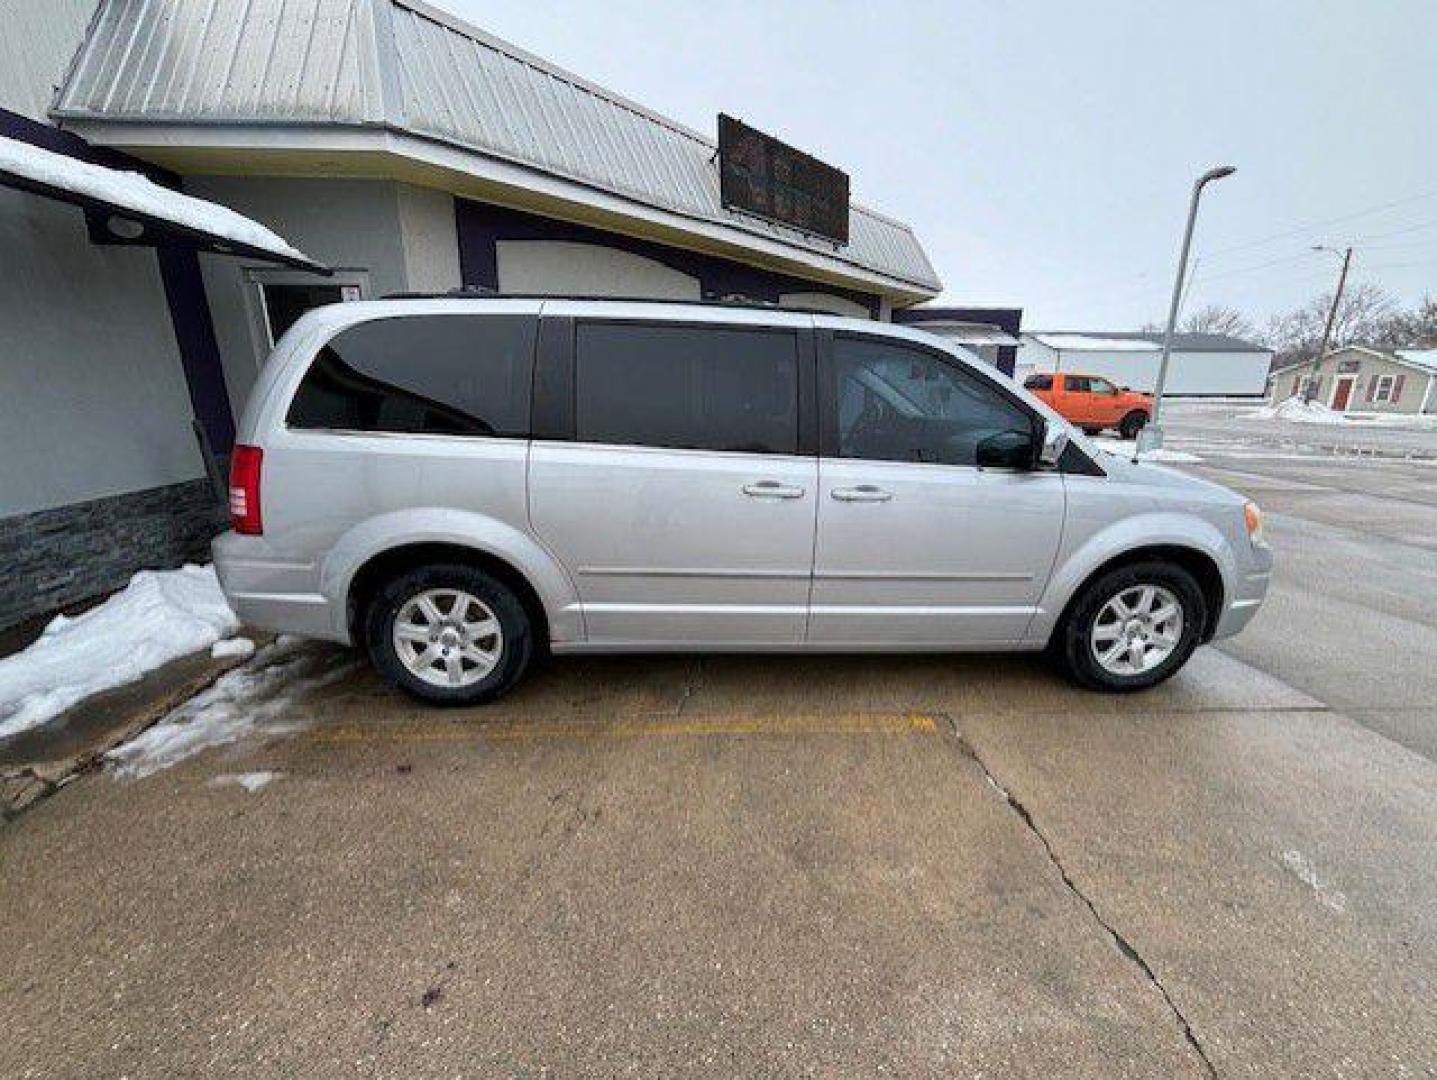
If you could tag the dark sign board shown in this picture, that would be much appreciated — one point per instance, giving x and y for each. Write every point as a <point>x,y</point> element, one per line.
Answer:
<point>760,175</point>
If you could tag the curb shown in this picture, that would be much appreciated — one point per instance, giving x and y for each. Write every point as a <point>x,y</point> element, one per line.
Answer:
<point>23,786</point>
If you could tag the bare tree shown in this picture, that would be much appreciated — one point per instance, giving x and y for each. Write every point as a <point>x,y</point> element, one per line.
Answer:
<point>1218,319</point>
<point>1212,319</point>
<point>1365,317</point>
<point>1412,329</point>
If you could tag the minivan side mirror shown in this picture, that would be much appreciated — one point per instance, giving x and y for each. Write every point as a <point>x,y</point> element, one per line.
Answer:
<point>1006,450</point>
<point>1055,441</point>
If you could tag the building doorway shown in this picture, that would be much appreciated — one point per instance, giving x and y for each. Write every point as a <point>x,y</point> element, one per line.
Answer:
<point>282,296</point>
<point>1342,392</point>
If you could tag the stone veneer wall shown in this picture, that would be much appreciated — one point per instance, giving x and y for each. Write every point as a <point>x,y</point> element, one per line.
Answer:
<point>53,558</point>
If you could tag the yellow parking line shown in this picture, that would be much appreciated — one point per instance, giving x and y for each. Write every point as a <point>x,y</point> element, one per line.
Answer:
<point>644,726</point>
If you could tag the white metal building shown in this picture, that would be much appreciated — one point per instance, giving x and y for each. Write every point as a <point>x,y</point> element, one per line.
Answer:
<point>1201,365</point>
<point>386,139</point>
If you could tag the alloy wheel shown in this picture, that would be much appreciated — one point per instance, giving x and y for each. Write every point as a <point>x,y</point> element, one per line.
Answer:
<point>447,637</point>
<point>1137,629</point>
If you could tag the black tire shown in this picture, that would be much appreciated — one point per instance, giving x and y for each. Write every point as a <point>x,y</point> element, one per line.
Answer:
<point>1071,645</point>
<point>1133,423</point>
<point>514,623</point>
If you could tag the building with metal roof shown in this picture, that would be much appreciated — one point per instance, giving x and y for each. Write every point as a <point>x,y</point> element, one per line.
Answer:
<point>181,179</point>
<point>991,332</point>
<point>403,89</point>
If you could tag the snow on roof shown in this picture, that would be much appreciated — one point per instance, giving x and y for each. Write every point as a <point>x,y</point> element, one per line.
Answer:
<point>139,194</point>
<point>1423,358</point>
<point>1092,343</point>
<point>1183,340</point>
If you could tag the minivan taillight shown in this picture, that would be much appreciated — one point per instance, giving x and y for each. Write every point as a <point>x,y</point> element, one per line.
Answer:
<point>244,490</point>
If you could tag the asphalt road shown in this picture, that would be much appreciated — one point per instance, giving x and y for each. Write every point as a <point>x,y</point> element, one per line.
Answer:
<point>790,867</point>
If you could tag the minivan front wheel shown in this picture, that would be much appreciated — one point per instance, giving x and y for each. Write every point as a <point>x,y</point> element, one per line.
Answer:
<point>1133,627</point>
<point>449,634</point>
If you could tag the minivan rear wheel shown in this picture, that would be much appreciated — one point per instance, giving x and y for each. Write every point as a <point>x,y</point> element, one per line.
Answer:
<point>1133,627</point>
<point>448,633</point>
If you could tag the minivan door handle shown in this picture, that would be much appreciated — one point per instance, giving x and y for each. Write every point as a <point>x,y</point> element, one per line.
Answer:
<point>772,489</point>
<point>861,493</point>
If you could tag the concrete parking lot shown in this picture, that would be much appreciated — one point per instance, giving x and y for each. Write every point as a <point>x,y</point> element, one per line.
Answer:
<point>825,866</point>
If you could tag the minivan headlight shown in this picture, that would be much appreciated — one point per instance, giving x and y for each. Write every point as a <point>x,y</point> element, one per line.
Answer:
<point>1252,518</point>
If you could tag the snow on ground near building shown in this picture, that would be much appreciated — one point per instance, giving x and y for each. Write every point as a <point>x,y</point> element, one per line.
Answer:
<point>1297,411</point>
<point>1161,456</point>
<point>134,191</point>
<point>158,617</point>
<point>260,698</point>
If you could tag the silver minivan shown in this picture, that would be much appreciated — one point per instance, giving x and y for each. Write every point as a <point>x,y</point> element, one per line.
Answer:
<point>456,483</point>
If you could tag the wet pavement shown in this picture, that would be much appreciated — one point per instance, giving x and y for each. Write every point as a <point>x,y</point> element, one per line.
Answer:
<point>779,866</point>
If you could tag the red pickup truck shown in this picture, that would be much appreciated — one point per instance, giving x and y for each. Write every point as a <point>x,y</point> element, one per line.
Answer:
<point>1091,402</point>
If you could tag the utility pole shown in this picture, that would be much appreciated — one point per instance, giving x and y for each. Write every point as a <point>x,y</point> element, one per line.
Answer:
<point>1309,387</point>
<point>1151,436</point>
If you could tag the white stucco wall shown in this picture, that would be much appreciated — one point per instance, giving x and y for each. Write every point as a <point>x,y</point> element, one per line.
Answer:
<point>822,301</point>
<point>431,238</point>
<point>39,40</point>
<point>565,267</point>
<point>346,224</point>
<point>93,400</point>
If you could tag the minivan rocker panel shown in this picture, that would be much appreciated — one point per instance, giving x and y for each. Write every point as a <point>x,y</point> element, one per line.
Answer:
<point>453,483</point>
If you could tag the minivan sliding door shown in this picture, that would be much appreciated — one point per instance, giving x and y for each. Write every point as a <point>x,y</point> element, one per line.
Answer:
<point>677,486</point>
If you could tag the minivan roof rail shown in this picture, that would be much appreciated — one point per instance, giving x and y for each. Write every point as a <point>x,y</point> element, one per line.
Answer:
<point>480,292</point>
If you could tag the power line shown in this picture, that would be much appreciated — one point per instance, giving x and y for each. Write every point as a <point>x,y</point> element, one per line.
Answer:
<point>1309,227</point>
<point>1296,230</point>
<point>1397,232</point>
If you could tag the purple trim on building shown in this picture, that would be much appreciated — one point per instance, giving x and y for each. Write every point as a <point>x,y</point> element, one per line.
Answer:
<point>199,350</point>
<point>179,272</point>
<point>481,226</point>
<point>47,137</point>
<point>1006,319</point>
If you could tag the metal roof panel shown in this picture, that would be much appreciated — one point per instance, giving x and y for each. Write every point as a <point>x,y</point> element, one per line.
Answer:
<point>418,70</point>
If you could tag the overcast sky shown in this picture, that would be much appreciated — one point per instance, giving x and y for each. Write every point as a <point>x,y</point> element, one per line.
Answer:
<point>1044,152</point>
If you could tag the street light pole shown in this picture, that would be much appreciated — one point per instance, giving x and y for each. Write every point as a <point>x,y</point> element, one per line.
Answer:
<point>1309,389</point>
<point>1155,438</point>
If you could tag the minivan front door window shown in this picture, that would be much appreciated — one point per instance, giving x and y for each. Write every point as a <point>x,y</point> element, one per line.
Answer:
<point>902,404</point>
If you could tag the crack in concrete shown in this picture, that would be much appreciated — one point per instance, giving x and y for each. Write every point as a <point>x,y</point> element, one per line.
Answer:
<point>1123,945</point>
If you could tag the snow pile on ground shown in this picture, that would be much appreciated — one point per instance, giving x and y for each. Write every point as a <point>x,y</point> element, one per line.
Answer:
<point>157,617</point>
<point>134,191</point>
<point>1298,411</point>
<point>260,697</point>
<point>250,781</point>
<point>1162,456</point>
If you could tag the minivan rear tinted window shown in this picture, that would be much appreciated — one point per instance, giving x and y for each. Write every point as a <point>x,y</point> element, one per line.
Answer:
<point>687,387</point>
<point>423,374</point>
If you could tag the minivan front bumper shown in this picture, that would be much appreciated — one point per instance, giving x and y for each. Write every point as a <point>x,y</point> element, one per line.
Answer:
<point>268,592</point>
<point>1248,591</point>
